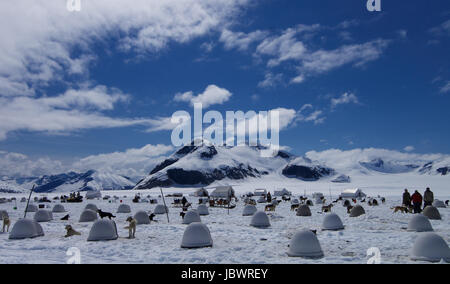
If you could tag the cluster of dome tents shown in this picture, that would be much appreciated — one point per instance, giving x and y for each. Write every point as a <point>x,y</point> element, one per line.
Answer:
<point>428,246</point>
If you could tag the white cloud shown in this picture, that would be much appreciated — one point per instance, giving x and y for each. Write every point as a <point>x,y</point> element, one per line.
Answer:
<point>20,165</point>
<point>441,30</point>
<point>445,88</point>
<point>136,162</point>
<point>346,98</point>
<point>409,149</point>
<point>211,96</point>
<point>271,80</point>
<point>74,110</point>
<point>240,40</point>
<point>38,37</point>
<point>308,114</point>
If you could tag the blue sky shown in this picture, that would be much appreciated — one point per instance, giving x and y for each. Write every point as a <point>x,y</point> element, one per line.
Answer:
<point>377,79</point>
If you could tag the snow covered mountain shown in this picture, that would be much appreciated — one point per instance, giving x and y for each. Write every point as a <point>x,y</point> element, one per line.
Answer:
<point>202,165</point>
<point>69,182</point>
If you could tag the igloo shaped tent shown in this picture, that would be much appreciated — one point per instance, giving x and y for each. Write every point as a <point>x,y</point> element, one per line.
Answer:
<point>103,230</point>
<point>93,194</point>
<point>196,235</point>
<point>295,201</point>
<point>249,210</point>
<point>31,208</point>
<point>191,217</point>
<point>124,208</point>
<point>419,223</point>
<point>26,228</point>
<point>202,210</point>
<point>260,220</point>
<point>430,247</point>
<point>161,209</point>
<point>303,210</point>
<point>3,213</point>
<point>43,216</point>
<point>357,211</point>
<point>58,208</point>
<point>88,216</point>
<point>142,218</point>
<point>92,207</point>
<point>332,222</point>
<point>439,204</point>
<point>432,213</point>
<point>305,244</point>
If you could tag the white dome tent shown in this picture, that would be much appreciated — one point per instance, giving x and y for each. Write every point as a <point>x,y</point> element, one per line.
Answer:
<point>357,211</point>
<point>94,194</point>
<point>249,210</point>
<point>419,223</point>
<point>92,207</point>
<point>88,216</point>
<point>25,229</point>
<point>124,208</point>
<point>332,222</point>
<point>430,247</point>
<point>142,218</point>
<point>103,230</point>
<point>58,208</point>
<point>432,213</point>
<point>196,235</point>
<point>43,216</point>
<point>439,204</point>
<point>305,244</point>
<point>161,209</point>
<point>31,208</point>
<point>191,217</point>
<point>3,213</point>
<point>303,210</point>
<point>202,210</point>
<point>260,220</point>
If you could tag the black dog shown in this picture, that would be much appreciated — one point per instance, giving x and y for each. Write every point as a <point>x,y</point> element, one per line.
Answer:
<point>151,217</point>
<point>446,202</point>
<point>65,218</point>
<point>105,214</point>
<point>182,214</point>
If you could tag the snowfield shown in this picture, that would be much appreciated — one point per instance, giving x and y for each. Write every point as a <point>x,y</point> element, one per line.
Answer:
<point>235,241</point>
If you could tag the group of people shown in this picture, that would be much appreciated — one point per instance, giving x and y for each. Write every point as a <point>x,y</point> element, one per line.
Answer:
<point>417,199</point>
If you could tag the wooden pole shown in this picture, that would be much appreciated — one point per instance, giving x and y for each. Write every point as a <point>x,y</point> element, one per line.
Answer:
<point>165,206</point>
<point>28,202</point>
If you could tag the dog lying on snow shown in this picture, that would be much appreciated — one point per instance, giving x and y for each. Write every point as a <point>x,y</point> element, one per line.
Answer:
<point>327,208</point>
<point>294,206</point>
<point>6,223</point>
<point>105,214</point>
<point>131,227</point>
<point>270,207</point>
<point>71,232</point>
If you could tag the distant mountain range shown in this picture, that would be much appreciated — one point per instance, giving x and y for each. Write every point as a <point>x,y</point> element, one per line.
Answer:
<point>203,165</point>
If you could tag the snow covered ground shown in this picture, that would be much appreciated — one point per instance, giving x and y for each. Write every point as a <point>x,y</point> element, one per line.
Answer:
<point>234,240</point>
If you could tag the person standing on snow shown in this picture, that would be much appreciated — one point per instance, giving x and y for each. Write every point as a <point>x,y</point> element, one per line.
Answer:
<point>406,198</point>
<point>428,198</point>
<point>417,202</point>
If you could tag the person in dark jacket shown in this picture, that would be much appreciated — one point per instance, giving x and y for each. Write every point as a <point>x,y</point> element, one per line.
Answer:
<point>269,197</point>
<point>417,202</point>
<point>428,198</point>
<point>184,201</point>
<point>406,198</point>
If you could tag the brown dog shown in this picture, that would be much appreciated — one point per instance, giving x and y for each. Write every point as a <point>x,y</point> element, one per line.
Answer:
<point>327,208</point>
<point>6,223</point>
<point>402,209</point>
<point>71,232</point>
<point>270,207</point>
<point>349,209</point>
<point>131,227</point>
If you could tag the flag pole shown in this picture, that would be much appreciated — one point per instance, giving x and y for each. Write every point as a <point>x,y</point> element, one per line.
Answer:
<point>165,206</point>
<point>28,202</point>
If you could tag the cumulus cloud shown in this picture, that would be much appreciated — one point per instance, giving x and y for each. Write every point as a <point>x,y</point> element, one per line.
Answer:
<point>20,165</point>
<point>136,162</point>
<point>211,96</point>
